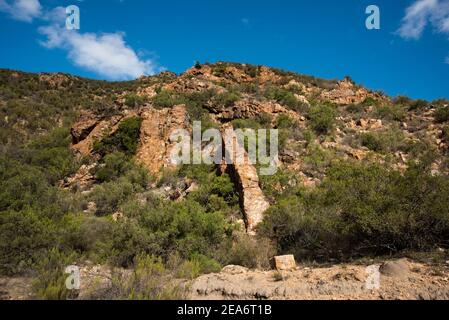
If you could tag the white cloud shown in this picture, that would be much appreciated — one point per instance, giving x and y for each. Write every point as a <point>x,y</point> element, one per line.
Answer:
<point>105,54</point>
<point>56,15</point>
<point>22,10</point>
<point>420,14</point>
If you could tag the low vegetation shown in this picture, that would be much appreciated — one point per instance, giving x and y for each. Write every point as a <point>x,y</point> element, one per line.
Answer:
<point>363,210</point>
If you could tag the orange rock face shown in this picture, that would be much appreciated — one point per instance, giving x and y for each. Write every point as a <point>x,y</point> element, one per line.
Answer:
<point>89,129</point>
<point>155,145</point>
<point>346,93</point>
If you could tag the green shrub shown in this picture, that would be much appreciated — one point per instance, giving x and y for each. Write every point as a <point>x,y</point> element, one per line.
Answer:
<point>125,139</point>
<point>250,252</point>
<point>363,209</point>
<point>219,70</point>
<point>284,97</point>
<point>133,100</point>
<point>206,264</point>
<point>440,102</point>
<point>24,240</point>
<point>130,240</point>
<point>49,283</point>
<point>369,101</point>
<point>372,142</point>
<point>195,266</point>
<point>223,187</point>
<point>227,99</point>
<point>393,112</point>
<point>150,280</point>
<point>388,141</point>
<point>402,100</point>
<point>196,104</point>
<point>355,108</point>
<point>281,184</point>
<point>285,122</point>
<point>251,70</point>
<point>445,133</point>
<point>215,193</point>
<point>264,119</point>
<point>167,99</point>
<point>182,227</point>
<point>246,124</point>
<point>21,185</point>
<point>410,104</point>
<point>114,165</point>
<point>322,118</point>
<point>442,114</point>
<point>418,104</point>
<point>109,195</point>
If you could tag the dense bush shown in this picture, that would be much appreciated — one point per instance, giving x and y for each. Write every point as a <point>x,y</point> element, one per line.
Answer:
<point>149,280</point>
<point>167,99</point>
<point>285,97</point>
<point>133,100</point>
<point>322,118</point>
<point>388,141</point>
<point>250,252</point>
<point>24,239</point>
<point>445,133</point>
<point>184,227</point>
<point>410,104</point>
<point>125,139</point>
<point>391,112</point>
<point>227,99</point>
<point>442,114</point>
<point>418,104</point>
<point>49,283</point>
<point>363,209</point>
<point>215,193</point>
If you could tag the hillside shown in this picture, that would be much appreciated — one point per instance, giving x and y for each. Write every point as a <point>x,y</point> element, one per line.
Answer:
<point>86,179</point>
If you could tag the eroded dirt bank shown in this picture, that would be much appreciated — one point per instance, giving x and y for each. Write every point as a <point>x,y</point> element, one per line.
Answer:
<point>399,279</point>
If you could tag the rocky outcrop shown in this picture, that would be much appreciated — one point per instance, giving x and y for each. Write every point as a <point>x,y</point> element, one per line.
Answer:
<point>84,126</point>
<point>252,200</point>
<point>247,109</point>
<point>191,85</point>
<point>82,180</point>
<point>155,144</point>
<point>56,80</point>
<point>346,93</point>
<point>89,129</point>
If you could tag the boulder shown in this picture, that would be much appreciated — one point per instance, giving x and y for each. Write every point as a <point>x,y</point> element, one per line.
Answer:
<point>91,208</point>
<point>232,269</point>
<point>117,216</point>
<point>283,263</point>
<point>397,268</point>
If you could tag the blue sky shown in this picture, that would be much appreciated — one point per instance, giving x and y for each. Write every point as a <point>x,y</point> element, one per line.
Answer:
<point>120,39</point>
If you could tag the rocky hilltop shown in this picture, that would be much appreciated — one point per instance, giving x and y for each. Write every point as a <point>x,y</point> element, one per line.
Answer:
<point>249,93</point>
<point>87,175</point>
